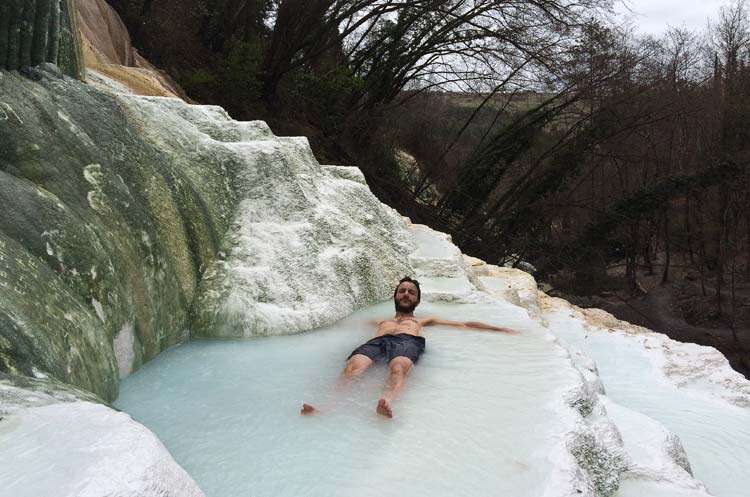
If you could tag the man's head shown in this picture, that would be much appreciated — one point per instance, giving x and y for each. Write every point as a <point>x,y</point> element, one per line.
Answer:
<point>407,295</point>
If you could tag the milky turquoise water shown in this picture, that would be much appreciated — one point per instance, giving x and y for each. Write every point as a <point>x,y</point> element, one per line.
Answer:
<point>479,416</point>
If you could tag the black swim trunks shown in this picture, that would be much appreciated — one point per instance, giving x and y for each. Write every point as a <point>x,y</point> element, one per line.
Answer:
<point>386,347</point>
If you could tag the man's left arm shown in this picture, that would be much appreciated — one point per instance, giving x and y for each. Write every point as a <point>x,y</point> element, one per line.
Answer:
<point>463,324</point>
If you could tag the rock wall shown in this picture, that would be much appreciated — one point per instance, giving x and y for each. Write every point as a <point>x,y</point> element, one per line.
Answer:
<point>131,222</point>
<point>60,440</point>
<point>108,50</point>
<point>102,236</point>
<point>102,27</point>
<point>33,32</point>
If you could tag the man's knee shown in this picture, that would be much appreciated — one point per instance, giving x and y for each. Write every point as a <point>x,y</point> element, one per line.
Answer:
<point>400,365</point>
<point>356,364</point>
<point>352,368</point>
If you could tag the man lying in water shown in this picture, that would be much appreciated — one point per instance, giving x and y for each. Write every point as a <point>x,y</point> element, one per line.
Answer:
<point>398,342</point>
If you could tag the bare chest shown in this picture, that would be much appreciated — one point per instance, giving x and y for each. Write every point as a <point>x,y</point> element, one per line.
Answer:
<point>391,327</point>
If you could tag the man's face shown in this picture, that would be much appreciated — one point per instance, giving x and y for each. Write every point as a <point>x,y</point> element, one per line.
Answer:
<point>406,298</point>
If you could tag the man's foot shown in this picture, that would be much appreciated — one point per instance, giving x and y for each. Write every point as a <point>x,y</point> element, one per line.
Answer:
<point>384,409</point>
<point>307,409</point>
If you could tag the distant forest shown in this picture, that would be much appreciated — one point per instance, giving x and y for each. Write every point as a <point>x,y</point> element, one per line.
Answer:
<point>534,132</point>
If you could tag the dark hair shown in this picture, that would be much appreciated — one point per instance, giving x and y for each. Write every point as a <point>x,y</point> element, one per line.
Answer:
<point>406,279</point>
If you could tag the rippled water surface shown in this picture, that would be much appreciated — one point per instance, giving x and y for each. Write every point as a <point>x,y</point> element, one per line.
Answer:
<point>479,416</point>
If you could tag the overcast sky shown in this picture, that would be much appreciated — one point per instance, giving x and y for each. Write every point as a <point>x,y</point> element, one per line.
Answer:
<point>654,16</point>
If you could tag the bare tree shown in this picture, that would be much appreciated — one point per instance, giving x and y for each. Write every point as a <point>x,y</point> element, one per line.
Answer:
<point>391,44</point>
<point>730,35</point>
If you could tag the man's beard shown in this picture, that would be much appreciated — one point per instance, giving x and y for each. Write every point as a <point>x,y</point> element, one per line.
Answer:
<point>405,308</point>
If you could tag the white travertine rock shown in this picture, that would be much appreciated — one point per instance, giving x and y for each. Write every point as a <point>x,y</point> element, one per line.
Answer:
<point>689,388</point>
<point>57,440</point>
<point>680,363</point>
<point>510,284</point>
<point>307,245</point>
<point>441,268</point>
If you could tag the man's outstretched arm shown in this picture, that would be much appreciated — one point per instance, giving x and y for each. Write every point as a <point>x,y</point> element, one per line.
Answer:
<point>463,324</point>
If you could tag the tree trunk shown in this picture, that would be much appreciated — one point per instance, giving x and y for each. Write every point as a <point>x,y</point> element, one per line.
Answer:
<point>297,22</point>
<point>723,233</point>
<point>733,290</point>
<point>647,259</point>
<point>689,232</point>
<point>667,252</point>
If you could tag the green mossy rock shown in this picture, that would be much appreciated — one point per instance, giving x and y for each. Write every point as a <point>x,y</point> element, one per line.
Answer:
<point>102,235</point>
<point>33,32</point>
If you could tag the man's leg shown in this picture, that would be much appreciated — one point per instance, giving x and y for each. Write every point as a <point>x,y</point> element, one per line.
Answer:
<point>355,366</point>
<point>399,368</point>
